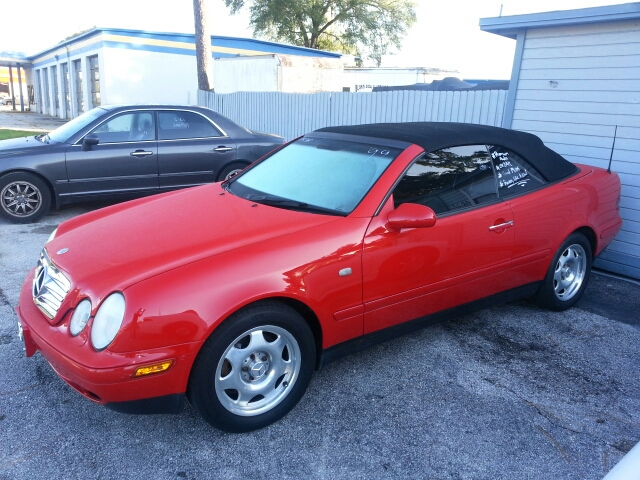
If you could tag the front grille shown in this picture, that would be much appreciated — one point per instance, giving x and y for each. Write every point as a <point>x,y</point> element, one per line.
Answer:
<point>50,286</point>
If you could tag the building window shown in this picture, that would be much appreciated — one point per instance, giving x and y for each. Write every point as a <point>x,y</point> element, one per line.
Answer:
<point>67,90</point>
<point>94,79</point>
<point>56,100</point>
<point>77,70</point>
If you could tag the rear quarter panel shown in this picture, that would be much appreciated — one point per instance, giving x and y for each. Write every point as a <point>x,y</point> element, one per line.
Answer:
<point>545,218</point>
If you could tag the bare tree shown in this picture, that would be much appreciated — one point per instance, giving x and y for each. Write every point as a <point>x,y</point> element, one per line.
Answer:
<point>203,45</point>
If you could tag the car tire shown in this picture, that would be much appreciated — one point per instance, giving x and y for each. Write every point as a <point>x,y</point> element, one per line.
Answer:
<point>568,274</point>
<point>24,197</point>
<point>231,170</point>
<point>253,369</point>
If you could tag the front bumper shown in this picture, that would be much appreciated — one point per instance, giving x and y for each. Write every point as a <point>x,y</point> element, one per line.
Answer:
<point>105,377</point>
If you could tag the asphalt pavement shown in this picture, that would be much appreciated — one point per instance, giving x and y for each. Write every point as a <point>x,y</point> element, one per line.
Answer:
<point>510,392</point>
<point>17,120</point>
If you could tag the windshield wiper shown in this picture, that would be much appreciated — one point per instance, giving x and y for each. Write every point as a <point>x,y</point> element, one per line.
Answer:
<point>278,202</point>
<point>291,204</point>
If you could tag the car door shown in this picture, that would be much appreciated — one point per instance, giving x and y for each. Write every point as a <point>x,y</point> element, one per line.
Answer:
<point>414,272</point>
<point>191,150</point>
<point>538,212</point>
<point>125,160</point>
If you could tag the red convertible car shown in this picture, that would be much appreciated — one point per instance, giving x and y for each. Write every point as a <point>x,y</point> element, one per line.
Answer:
<point>233,293</point>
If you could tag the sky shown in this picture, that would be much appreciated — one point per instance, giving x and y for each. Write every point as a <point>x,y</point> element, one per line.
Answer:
<point>446,34</point>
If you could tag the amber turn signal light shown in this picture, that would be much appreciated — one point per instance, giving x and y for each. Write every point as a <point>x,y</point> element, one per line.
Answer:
<point>151,369</point>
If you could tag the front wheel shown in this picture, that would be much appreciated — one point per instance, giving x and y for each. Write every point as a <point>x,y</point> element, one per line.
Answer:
<point>253,369</point>
<point>24,198</point>
<point>568,274</point>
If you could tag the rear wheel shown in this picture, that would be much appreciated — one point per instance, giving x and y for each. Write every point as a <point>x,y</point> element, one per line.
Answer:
<point>568,274</point>
<point>231,170</point>
<point>24,198</point>
<point>253,369</point>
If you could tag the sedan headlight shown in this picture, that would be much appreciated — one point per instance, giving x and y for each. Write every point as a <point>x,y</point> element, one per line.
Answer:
<point>107,321</point>
<point>80,317</point>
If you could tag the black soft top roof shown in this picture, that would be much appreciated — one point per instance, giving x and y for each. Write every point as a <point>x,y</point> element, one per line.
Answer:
<point>435,135</point>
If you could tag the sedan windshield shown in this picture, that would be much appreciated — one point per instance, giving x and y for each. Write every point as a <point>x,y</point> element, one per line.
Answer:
<point>66,131</point>
<point>316,174</point>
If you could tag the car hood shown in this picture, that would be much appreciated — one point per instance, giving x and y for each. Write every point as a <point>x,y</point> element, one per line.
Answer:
<point>113,248</point>
<point>14,146</point>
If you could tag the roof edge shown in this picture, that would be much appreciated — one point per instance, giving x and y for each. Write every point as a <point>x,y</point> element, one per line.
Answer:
<point>186,37</point>
<point>509,26</point>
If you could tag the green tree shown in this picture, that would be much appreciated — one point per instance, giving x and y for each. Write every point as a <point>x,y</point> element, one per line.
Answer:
<point>203,45</point>
<point>363,27</point>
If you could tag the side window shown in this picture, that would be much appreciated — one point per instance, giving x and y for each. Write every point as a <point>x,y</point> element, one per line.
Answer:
<point>128,127</point>
<point>515,175</point>
<point>450,179</point>
<point>180,125</point>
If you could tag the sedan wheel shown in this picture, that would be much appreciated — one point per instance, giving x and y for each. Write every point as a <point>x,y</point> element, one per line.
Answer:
<point>568,274</point>
<point>254,368</point>
<point>231,170</point>
<point>24,197</point>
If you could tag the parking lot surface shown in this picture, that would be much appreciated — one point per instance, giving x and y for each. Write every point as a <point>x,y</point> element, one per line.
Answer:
<point>511,392</point>
<point>17,120</point>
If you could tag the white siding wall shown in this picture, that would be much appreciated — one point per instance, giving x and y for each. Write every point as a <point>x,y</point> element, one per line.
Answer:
<point>576,84</point>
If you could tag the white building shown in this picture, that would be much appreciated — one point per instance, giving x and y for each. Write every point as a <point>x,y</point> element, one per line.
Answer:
<point>575,80</point>
<point>115,66</point>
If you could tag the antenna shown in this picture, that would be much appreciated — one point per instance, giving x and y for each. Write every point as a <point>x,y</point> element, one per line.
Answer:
<point>615,133</point>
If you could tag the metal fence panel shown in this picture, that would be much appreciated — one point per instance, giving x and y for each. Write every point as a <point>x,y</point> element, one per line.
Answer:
<point>294,114</point>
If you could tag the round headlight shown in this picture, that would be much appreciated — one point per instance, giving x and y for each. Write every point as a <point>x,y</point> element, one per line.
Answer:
<point>80,317</point>
<point>107,321</point>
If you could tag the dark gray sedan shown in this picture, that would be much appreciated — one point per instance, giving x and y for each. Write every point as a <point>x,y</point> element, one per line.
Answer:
<point>120,152</point>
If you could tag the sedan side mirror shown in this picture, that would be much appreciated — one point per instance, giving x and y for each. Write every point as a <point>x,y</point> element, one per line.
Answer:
<point>411,215</point>
<point>89,141</point>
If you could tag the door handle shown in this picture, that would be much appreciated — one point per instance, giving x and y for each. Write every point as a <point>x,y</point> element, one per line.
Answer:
<point>140,153</point>
<point>222,149</point>
<point>501,226</point>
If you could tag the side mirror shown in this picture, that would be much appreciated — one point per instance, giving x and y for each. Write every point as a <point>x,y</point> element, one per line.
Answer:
<point>411,215</point>
<point>89,141</point>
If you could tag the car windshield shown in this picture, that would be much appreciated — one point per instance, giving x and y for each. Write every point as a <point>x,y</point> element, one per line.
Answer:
<point>66,131</point>
<point>315,174</point>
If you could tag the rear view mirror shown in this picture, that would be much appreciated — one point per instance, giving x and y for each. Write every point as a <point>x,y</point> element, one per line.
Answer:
<point>412,215</point>
<point>89,141</point>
